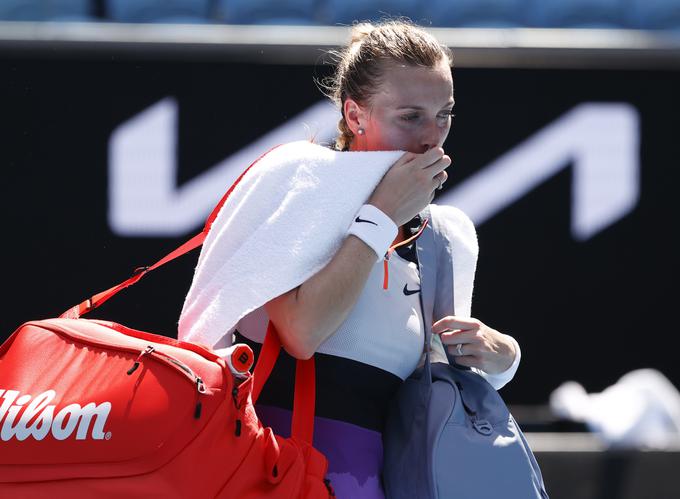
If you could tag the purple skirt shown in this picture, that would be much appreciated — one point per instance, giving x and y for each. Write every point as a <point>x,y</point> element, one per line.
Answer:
<point>355,454</point>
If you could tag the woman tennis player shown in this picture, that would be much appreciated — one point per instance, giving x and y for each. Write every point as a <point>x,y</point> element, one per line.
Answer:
<point>394,87</point>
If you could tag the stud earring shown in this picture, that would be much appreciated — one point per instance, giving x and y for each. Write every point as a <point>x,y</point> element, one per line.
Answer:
<point>360,131</point>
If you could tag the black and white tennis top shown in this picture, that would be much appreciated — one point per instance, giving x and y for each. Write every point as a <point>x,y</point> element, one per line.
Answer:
<point>378,345</point>
<point>360,366</point>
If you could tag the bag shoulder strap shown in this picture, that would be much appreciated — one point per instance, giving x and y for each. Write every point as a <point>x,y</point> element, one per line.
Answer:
<point>304,398</point>
<point>427,265</point>
<point>433,288</point>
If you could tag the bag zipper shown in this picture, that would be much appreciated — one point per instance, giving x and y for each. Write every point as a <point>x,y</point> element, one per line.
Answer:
<point>134,367</point>
<point>195,379</point>
<point>150,351</point>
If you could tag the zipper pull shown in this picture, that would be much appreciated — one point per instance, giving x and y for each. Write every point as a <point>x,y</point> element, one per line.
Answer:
<point>386,272</point>
<point>134,367</point>
<point>329,487</point>
<point>200,388</point>
<point>234,397</point>
<point>391,249</point>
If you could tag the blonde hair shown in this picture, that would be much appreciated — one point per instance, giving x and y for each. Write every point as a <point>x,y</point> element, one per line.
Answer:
<point>361,64</point>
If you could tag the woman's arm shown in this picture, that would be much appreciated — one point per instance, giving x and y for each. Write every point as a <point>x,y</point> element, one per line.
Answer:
<point>307,315</point>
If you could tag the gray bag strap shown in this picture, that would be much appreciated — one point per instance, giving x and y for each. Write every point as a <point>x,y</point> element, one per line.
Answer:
<point>431,288</point>
<point>427,265</point>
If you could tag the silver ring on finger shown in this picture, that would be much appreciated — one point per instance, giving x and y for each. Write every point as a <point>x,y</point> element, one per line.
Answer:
<point>459,349</point>
<point>441,184</point>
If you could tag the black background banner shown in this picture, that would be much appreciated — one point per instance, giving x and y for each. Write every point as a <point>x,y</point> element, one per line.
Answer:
<point>588,310</point>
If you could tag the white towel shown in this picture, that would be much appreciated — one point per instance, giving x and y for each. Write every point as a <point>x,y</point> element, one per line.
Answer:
<point>283,223</point>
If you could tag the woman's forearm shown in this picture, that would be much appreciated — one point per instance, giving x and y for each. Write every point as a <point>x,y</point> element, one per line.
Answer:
<point>307,315</point>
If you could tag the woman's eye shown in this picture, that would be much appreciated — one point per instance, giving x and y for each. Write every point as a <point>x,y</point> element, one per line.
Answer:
<point>443,116</point>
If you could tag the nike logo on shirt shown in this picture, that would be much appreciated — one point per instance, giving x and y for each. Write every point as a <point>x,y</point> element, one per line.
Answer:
<point>360,220</point>
<point>409,291</point>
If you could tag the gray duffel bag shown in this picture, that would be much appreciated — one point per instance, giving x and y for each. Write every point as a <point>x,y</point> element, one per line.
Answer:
<point>449,434</point>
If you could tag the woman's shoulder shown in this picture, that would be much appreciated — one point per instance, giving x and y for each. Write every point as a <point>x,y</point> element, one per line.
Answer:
<point>453,224</point>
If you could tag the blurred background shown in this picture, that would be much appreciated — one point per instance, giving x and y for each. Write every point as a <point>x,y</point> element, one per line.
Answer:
<point>122,123</point>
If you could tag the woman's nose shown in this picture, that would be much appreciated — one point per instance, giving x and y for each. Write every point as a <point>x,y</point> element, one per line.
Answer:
<point>431,135</point>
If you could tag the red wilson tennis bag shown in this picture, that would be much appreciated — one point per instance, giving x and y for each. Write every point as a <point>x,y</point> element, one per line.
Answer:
<point>91,408</point>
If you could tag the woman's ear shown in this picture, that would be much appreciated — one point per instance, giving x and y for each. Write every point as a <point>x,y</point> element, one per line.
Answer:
<point>354,116</point>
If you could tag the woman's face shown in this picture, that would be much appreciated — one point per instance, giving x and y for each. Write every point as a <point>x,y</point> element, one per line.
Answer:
<point>410,110</point>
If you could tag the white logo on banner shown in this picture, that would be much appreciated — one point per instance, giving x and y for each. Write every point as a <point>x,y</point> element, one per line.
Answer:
<point>144,199</point>
<point>601,141</point>
<point>38,419</point>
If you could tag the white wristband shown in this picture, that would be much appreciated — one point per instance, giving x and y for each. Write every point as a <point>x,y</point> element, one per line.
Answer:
<point>374,228</point>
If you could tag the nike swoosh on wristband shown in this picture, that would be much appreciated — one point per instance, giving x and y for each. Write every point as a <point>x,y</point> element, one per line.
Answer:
<point>360,220</point>
<point>410,292</point>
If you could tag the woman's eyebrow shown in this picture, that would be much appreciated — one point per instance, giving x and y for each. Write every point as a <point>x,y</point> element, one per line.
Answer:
<point>421,108</point>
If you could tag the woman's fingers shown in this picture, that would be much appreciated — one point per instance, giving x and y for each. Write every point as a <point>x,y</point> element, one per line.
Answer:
<point>439,180</point>
<point>405,158</point>
<point>434,160</point>
<point>438,172</point>
<point>476,345</point>
<point>453,322</point>
<point>409,185</point>
<point>425,159</point>
<point>457,337</point>
<point>460,335</point>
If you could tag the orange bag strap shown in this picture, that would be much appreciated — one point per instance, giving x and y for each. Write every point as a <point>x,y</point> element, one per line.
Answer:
<point>305,378</point>
<point>304,400</point>
<point>302,426</point>
<point>96,300</point>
